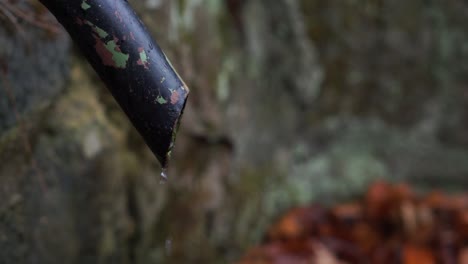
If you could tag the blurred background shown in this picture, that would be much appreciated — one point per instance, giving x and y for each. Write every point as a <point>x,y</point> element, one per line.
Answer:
<point>292,101</point>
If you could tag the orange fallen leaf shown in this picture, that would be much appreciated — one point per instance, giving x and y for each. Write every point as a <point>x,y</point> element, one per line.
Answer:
<point>417,255</point>
<point>299,222</point>
<point>378,200</point>
<point>463,256</point>
<point>390,225</point>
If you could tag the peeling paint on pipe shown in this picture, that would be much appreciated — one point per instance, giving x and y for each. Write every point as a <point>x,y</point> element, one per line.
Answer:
<point>130,63</point>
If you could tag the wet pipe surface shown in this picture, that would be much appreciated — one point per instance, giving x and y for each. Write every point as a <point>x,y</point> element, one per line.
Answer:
<point>390,224</point>
<point>130,63</point>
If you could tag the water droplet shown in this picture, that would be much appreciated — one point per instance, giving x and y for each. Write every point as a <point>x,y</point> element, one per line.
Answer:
<point>163,178</point>
<point>168,246</point>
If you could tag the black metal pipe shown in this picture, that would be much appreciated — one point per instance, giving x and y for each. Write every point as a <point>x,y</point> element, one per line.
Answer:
<point>130,63</point>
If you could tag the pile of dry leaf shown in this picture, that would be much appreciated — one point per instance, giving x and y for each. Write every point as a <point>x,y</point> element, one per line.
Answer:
<point>391,224</point>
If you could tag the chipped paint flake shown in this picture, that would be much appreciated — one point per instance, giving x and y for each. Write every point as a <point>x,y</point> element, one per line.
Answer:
<point>110,52</point>
<point>120,59</point>
<point>161,100</point>
<point>143,60</point>
<point>143,56</point>
<point>85,6</point>
<point>174,96</point>
<point>104,54</point>
<point>101,32</point>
